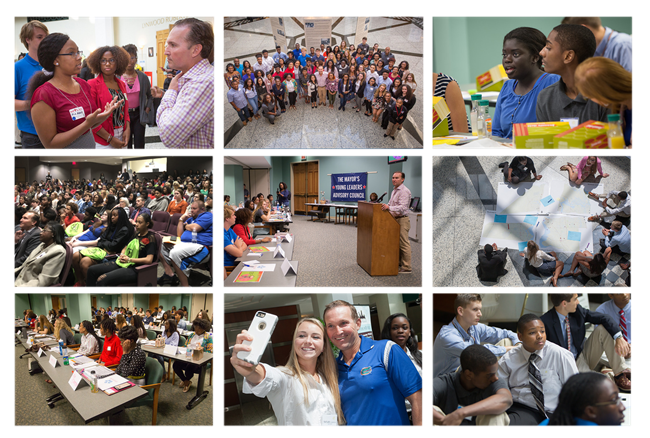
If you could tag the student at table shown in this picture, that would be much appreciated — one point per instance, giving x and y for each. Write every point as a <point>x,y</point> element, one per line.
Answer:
<point>112,352</point>
<point>244,217</point>
<point>181,324</point>
<point>261,215</point>
<point>136,322</point>
<point>233,245</point>
<point>31,319</point>
<point>44,327</point>
<point>200,338</point>
<point>63,332</point>
<point>447,87</point>
<point>89,339</point>
<point>171,337</point>
<point>133,360</point>
<point>120,322</point>
<point>148,319</point>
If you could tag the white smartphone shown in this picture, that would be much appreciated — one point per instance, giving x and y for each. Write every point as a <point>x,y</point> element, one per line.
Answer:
<point>261,330</point>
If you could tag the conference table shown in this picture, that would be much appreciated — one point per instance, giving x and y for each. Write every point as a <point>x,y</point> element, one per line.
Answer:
<point>287,247</point>
<point>346,209</point>
<point>276,219</point>
<point>273,278</point>
<point>89,406</point>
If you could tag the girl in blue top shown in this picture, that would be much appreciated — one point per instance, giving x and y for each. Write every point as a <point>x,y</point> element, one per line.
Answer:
<point>368,95</point>
<point>518,98</point>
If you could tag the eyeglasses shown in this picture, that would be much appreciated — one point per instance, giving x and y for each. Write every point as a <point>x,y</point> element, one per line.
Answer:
<point>75,54</point>
<point>107,61</point>
<point>619,400</point>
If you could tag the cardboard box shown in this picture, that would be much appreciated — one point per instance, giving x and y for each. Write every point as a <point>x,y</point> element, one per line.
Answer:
<point>491,80</point>
<point>588,135</point>
<point>440,114</point>
<point>539,135</point>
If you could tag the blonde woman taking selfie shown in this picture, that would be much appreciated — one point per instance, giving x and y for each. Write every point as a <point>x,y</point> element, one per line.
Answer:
<point>303,392</point>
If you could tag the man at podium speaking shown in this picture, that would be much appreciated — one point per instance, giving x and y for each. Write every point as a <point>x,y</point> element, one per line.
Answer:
<point>398,206</point>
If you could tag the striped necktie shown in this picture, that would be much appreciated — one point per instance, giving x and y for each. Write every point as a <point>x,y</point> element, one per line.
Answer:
<point>622,322</point>
<point>568,333</point>
<point>535,380</point>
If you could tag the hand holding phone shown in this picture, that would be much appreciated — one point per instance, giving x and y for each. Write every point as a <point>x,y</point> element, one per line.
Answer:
<point>259,334</point>
<point>242,367</point>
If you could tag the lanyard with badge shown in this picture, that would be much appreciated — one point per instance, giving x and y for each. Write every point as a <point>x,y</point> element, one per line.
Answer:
<point>77,113</point>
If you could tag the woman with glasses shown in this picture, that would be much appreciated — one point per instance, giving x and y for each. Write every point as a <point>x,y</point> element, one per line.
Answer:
<point>108,63</point>
<point>61,105</point>
<point>138,91</point>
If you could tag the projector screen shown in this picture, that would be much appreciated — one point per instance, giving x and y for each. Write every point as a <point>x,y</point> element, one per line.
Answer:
<point>150,165</point>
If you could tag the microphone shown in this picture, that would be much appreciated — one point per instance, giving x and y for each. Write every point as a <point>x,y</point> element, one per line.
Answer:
<point>382,197</point>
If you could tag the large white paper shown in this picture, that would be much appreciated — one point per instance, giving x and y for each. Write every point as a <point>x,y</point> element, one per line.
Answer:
<point>110,382</point>
<point>170,349</point>
<point>522,198</point>
<point>260,267</point>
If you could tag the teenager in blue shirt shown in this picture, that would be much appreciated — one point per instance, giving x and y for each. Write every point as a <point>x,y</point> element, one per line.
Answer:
<point>523,64</point>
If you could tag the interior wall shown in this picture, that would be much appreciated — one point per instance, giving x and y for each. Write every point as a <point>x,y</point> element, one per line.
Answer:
<point>21,303</point>
<point>234,183</point>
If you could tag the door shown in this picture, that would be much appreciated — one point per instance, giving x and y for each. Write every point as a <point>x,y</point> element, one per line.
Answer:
<point>161,39</point>
<point>93,300</point>
<point>305,186</point>
<point>153,301</point>
<point>55,303</point>
<point>21,175</point>
<point>75,174</point>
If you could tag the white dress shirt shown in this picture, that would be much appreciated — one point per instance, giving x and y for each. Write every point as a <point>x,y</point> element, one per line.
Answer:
<point>556,366</point>
<point>287,397</point>
<point>89,345</point>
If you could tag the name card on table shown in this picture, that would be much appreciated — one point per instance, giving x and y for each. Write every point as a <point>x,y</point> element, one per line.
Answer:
<point>75,380</point>
<point>287,268</point>
<point>182,350</point>
<point>18,332</point>
<point>40,352</point>
<point>77,326</point>
<point>53,361</point>
<point>278,250</point>
<point>288,238</point>
<point>170,349</point>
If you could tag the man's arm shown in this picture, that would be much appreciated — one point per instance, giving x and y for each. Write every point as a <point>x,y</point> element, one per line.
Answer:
<point>493,405</point>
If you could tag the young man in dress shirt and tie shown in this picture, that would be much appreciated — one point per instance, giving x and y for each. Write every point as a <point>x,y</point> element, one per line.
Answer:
<point>535,372</point>
<point>565,325</point>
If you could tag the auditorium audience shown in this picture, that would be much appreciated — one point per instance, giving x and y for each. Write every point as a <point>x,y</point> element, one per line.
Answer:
<point>106,229</point>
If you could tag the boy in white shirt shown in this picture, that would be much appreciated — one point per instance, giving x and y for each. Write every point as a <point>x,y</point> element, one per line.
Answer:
<point>535,372</point>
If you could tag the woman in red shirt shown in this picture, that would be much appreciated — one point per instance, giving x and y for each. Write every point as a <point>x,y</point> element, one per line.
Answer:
<point>178,204</point>
<point>112,352</point>
<point>243,217</point>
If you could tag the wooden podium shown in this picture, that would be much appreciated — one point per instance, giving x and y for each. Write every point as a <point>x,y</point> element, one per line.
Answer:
<point>377,240</point>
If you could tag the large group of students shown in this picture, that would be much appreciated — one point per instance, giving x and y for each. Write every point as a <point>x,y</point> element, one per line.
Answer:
<point>548,373</point>
<point>107,225</point>
<point>369,77</point>
<point>113,337</point>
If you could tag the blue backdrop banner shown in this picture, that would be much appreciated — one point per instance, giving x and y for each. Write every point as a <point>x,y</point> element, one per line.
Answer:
<point>349,187</point>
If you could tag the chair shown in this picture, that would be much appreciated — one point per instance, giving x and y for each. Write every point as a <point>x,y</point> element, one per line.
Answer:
<point>341,213</point>
<point>160,221</point>
<point>182,342</point>
<point>66,267</point>
<point>77,341</point>
<point>153,374</point>
<point>351,214</point>
<point>151,335</point>
<point>148,274</point>
<point>172,228</point>
<point>101,348</point>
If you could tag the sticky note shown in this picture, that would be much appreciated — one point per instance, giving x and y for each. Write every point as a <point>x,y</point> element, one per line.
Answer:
<point>574,235</point>
<point>547,201</point>
<point>500,218</point>
<point>522,245</point>
<point>532,220</point>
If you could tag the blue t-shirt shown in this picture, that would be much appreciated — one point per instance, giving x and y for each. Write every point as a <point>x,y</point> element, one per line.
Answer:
<point>204,237</point>
<point>370,395</point>
<point>229,238</point>
<point>24,70</point>
<point>91,234</point>
<point>512,108</point>
<point>579,422</point>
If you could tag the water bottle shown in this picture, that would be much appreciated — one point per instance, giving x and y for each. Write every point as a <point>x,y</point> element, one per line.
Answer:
<point>61,347</point>
<point>66,360</point>
<point>193,236</point>
<point>93,383</point>
<point>473,115</point>
<point>482,120</point>
<point>277,207</point>
<point>615,138</point>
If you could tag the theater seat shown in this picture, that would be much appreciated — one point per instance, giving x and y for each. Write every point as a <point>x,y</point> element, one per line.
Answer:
<point>172,228</point>
<point>160,221</point>
<point>148,274</point>
<point>66,267</point>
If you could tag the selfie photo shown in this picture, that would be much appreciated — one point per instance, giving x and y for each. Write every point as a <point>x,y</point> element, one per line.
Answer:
<point>320,359</point>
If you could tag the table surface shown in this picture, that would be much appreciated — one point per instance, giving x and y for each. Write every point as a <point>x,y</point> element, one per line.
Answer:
<point>314,204</point>
<point>207,357</point>
<point>268,256</point>
<point>273,278</point>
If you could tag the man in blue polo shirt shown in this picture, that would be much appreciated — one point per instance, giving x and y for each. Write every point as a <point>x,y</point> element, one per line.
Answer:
<point>374,376</point>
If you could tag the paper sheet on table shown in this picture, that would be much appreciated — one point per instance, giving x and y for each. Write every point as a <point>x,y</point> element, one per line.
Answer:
<point>250,262</point>
<point>110,382</point>
<point>253,254</point>
<point>259,267</point>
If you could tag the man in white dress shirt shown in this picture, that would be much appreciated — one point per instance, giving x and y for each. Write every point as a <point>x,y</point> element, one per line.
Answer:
<point>535,372</point>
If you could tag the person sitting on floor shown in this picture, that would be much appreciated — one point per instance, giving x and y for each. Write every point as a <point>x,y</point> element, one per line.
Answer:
<point>619,308</point>
<point>491,262</point>
<point>586,263</point>
<point>617,239</point>
<point>622,210</point>
<point>521,169</point>
<point>546,264</point>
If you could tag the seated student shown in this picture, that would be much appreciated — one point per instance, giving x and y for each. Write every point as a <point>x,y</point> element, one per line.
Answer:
<point>621,211</point>
<point>26,238</point>
<point>567,46</point>
<point>148,319</point>
<point>588,264</point>
<point>200,338</point>
<point>491,262</point>
<point>465,330</point>
<point>617,239</point>
<point>546,264</point>
<point>62,331</point>
<point>71,210</point>
<point>588,399</point>
<point>607,337</point>
<point>129,317</point>
<point>521,169</point>
<point>44,327</point>
<point>120,322</point>
<point>243,217</point>
<point>171,337</point>
<point>518,97</point>
<point>473,391</point>
<point>89,217</point>
<point>133,359</point>
<point>534,372</point>
<point>89,339</point>
<point>261,215</point>
<point>587,166</point>
<point>43,266</point>
<point>112,352</point>
<point>619,308</point>
<point>233,246</point>
<point>181,324</point>
<point>136,322</point>
<point>609,85</point>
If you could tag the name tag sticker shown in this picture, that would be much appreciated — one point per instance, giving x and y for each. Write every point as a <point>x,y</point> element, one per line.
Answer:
<point>77,113</point>
<point>329,420</point>
<point>108,348</point>
<point>365,371</point>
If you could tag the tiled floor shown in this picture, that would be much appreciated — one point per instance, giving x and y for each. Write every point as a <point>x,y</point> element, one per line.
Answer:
<point>323,127</point>
<point>465,187</point>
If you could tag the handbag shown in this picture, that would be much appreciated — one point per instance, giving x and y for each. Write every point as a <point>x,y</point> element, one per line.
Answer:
<point>197,354</point>
<point>160,342</point>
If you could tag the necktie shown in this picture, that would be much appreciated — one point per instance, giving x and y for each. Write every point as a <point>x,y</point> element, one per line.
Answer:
<point>568,333</point>
<point>535,381</point>
<point>622,322</point>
